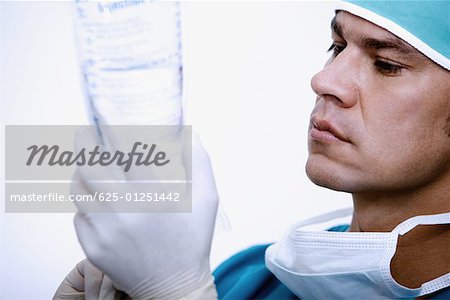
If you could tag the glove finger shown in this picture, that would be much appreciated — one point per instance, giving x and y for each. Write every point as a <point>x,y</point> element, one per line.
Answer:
<point>87,140</point>
<point>94,279</point>
<point>94,234</point>
<point>188,152</point>
<point>81,194</point>
<point>89,197</point>
<point>88,236</point>
<point>124,139</point>
<point>93,182</point>
<point>203,183</point>
<point>108,291</point>
<point>140,140</point>
<point>72,287</point>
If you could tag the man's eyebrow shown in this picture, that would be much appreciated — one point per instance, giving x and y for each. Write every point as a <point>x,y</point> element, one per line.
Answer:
<point>387,43</point>
<point>393,43</point>
<point>336,27</point>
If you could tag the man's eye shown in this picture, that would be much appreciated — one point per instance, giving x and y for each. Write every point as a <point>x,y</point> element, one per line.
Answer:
<point>388,68</point>
<point>336,49</point>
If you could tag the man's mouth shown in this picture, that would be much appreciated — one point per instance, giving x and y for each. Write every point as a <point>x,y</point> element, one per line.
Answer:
<point>325,132</point>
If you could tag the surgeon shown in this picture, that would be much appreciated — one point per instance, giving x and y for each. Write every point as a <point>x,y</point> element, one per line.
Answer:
<point>380,130</point>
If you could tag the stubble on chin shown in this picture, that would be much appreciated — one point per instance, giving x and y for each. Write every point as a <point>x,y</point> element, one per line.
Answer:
<point>447,127</point>
<point>322,176</point>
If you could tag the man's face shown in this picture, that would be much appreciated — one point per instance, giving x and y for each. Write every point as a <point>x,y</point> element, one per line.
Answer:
<point>381,121</point>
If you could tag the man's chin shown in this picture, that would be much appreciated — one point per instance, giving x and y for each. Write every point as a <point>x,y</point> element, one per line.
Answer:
<point>325,176</point>
<point>328,184</point>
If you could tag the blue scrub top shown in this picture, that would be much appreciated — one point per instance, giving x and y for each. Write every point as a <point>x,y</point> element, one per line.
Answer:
<point>245,276</point>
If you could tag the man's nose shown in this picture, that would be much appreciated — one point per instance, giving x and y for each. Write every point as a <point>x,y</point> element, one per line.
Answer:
<point>338,80</point>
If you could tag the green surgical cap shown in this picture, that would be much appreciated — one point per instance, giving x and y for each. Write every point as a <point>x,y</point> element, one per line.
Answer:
<point>424,24</point>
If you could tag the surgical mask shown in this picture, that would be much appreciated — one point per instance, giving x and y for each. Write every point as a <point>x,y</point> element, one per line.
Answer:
<point>345,265</point>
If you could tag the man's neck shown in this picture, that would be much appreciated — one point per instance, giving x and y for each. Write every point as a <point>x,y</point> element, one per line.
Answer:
<point>422,254</point>
<point>383,211</point>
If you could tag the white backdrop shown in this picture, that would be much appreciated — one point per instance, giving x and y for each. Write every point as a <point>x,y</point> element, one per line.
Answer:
<point>247,71</point>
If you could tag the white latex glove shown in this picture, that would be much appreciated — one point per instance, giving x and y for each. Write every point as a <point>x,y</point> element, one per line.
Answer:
<point>153,255</point>
<point>86,282</point>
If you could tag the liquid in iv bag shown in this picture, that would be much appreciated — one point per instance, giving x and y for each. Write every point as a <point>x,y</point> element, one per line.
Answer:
<point>130,56</point>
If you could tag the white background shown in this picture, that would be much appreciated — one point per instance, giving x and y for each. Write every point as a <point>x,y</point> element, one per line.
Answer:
<point>248,67</point>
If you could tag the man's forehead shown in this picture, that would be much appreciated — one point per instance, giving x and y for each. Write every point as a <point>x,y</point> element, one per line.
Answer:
<point>348,25</point>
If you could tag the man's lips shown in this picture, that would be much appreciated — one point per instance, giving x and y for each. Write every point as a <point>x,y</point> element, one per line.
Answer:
<point>324,131</point>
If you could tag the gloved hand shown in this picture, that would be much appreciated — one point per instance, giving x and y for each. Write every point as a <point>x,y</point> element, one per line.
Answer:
<point>86,282</point>
<point>153,255</point>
